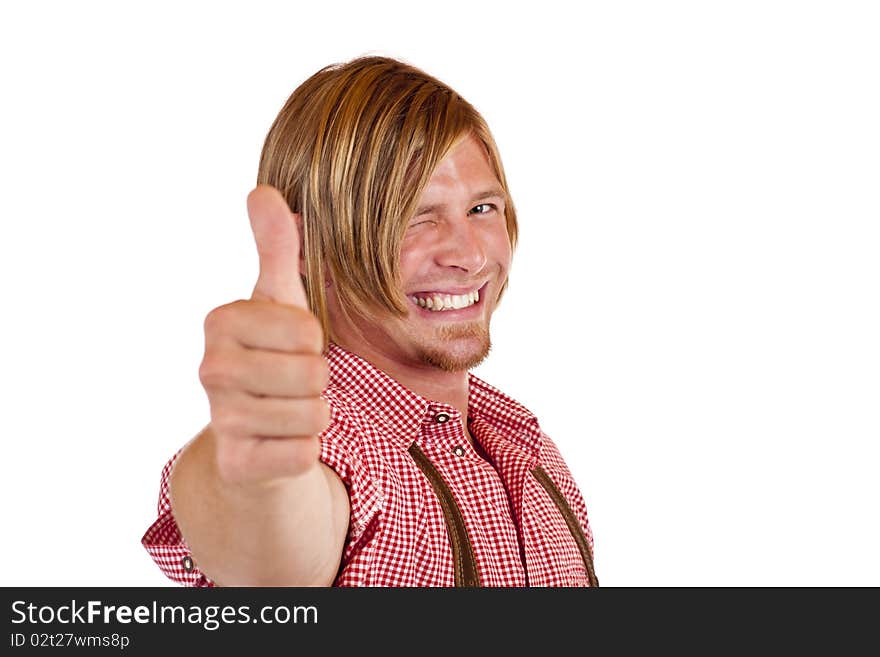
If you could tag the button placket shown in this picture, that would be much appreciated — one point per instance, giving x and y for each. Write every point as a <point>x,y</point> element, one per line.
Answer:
<point>450,443</point>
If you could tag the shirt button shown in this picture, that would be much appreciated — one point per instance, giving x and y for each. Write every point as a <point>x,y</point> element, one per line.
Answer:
<point>441,418</point>
<point>187,563</point>
<point>458,450</point>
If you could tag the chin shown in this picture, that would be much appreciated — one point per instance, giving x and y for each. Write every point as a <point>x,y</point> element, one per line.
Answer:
<point>457,348</point>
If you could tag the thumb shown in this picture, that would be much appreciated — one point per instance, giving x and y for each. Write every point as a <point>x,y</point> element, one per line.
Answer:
<point>277,238</point>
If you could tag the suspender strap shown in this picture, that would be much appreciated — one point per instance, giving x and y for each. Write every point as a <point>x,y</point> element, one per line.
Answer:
<point>573,525</point>
<point>464,562</point>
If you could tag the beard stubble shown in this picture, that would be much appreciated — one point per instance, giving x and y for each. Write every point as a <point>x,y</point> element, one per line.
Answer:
<point>457,348</point>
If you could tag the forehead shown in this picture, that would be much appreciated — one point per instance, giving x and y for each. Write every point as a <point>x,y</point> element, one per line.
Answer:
<point>466,165</point>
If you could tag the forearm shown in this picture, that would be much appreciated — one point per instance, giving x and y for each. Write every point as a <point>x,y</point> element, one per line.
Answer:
<point>289,532</point>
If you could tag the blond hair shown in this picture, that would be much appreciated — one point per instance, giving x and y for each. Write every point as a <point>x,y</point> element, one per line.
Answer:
<point>351,151</point>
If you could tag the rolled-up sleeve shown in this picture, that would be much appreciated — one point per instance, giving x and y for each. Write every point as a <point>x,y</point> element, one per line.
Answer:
<point>164,542</point>
<point>340,450</point>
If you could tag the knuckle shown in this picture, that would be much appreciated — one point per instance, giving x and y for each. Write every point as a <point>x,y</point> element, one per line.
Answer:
<point>228,420</point>
<point>219,319</point>
<point>215,372</point>
<point>206,372</point>
<point>307,452</point>
<point>317,373</point>
<point>215,319</point>
<point>325,414</point>
<point>309,331</point>
<point>318,415</point>
<point>231,461</point>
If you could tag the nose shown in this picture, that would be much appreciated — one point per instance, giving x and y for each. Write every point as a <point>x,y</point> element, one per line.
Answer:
<point>461,247</point>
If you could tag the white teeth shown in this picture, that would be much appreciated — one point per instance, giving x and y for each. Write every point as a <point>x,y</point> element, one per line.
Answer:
<point>448,301</point>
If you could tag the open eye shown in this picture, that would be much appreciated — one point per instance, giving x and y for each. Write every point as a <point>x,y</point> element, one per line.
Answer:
<point>483,208</point>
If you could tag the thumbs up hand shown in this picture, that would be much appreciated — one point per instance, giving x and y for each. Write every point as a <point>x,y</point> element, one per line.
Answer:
<point>263,368</point>
<point>277,239</point>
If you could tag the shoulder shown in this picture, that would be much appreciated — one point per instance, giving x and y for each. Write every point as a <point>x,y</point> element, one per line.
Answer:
<point>353,420</point>
<point>349,449</point>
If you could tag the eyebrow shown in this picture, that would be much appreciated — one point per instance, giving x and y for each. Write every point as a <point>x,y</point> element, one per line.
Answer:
<point>479,196</point>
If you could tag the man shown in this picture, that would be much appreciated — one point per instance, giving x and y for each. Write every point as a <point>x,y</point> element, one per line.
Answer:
<point>348,444</point>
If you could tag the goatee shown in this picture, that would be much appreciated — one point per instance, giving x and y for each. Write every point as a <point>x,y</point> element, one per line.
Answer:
<point>458,347</point>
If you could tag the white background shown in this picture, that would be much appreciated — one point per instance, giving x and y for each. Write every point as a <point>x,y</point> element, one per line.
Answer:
<point>693,310</point>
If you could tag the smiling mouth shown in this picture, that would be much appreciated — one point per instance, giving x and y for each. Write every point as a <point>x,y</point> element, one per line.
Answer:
<point>439,301</point>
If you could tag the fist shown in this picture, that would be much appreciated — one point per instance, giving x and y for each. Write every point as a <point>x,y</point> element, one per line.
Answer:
<point>263,368</point>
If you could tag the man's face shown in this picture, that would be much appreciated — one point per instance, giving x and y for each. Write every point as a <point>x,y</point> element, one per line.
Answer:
<point>454,260</point>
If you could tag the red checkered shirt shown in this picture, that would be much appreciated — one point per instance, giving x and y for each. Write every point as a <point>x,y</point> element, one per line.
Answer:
<point>399,533</point>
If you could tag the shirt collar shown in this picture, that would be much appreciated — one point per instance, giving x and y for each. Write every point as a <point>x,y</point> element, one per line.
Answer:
<point>513,420</point>
<point>387,401</point>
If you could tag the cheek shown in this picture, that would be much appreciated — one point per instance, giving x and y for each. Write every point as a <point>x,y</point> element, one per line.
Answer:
<point>498,248</point>
<point>417,255</point>
<point>414,261</point>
